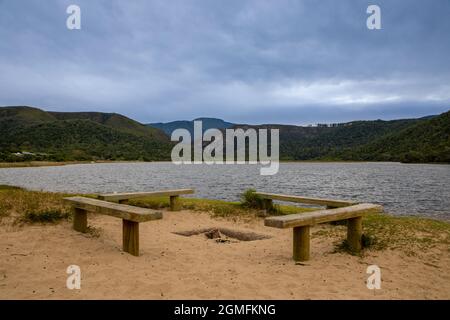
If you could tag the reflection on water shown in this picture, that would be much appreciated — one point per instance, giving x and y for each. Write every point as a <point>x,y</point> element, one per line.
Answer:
<point>418,189</point>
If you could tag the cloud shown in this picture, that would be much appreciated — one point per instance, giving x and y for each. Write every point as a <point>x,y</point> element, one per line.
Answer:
<point>246,61</point>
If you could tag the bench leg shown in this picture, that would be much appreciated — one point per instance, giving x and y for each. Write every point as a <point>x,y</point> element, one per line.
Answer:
<point>175,203</point>
<point>80,220</point>
<point>354,234</point>
<point>301,243</point>
<point>268,205</point>
<point>130,237</point>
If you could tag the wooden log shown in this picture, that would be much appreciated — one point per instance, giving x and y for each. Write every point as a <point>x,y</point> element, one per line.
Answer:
<point>354,234</point>
<point>122,211</point>
<point>175,203</point>
<point>80,220</point>
<point>115,197</point>
<point>130,237</point>
<point>322,216</point>
<point>301,240</point>
<point>307,200</point>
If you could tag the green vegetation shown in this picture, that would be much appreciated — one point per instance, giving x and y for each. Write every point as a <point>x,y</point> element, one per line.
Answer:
<point>45,216</point>
<point>87,136</point>
<point>425,141</point>
<point>409,140</point>
<point>7,187</point>
<point>411,235</point>
<point>52,136</point>
<point>22,206</point>
<point>207,123</point>
<point>113,120</point>
<point>251,200</point>
<point>218,208</point>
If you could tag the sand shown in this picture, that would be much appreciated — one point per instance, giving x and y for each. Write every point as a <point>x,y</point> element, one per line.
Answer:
<point>34,259</point>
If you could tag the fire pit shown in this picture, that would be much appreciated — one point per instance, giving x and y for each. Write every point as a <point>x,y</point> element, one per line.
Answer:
<point>223,235</point>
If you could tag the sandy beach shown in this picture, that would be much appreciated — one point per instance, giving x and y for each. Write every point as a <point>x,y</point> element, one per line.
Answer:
<point>34,258</point>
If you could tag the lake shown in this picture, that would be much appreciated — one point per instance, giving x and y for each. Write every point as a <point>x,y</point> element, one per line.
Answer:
<point>404,189</point>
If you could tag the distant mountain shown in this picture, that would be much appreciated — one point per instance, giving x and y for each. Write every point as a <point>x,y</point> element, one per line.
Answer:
<point>207,123</point>
<point>78,136</point>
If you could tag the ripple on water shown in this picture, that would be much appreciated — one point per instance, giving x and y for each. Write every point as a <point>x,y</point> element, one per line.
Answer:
<point>417,189</point>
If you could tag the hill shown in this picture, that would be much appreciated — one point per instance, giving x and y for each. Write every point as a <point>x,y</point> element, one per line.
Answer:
<point>110,136</point>
<point>424,141</point>
<point>207,123</point>
<point>113,120</point>
<point>77,136</point>
<point>328,143</point>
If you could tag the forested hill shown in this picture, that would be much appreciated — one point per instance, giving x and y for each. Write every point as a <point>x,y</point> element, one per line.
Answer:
<point>207,123</point>
<point>424,141</point>
<point>42,135</point>
<point>35,134</point>
<point>409,140</point>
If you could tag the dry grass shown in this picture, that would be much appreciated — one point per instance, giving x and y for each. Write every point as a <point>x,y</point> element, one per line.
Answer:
<point>22,206</point>
<point>411,235</point>
<point>217,208</point>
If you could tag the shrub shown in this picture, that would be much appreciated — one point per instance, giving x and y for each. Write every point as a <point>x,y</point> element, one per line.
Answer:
<point>45,216</point>
<point>7,187</point>
<point>251,200</point>
<point>367,242</point>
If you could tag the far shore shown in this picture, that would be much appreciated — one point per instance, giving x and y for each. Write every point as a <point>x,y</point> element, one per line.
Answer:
<point>25,164</point>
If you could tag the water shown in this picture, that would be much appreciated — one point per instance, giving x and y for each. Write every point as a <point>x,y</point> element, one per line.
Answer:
<point>404,189</point>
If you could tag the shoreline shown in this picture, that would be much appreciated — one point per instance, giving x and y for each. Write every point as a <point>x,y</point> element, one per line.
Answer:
<point>33,164</point>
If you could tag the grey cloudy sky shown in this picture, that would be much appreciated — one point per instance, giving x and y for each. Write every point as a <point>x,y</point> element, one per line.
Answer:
<point>283,61</point>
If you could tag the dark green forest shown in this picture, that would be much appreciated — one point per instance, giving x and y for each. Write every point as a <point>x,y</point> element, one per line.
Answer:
<point>408,140</point>
<point>77,136</point>
<point>65,136</point>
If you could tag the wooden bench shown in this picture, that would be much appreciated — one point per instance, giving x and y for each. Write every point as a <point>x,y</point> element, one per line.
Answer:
<point>131,217</point>
<point>269,197</point>
<point>174,195</point>
<point>301,223</point>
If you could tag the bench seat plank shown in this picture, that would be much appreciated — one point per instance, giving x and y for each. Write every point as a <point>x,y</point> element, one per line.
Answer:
<point>307,200</point>
<point>322,216</point>
<point>131,195</point>
<point>122,211</point>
